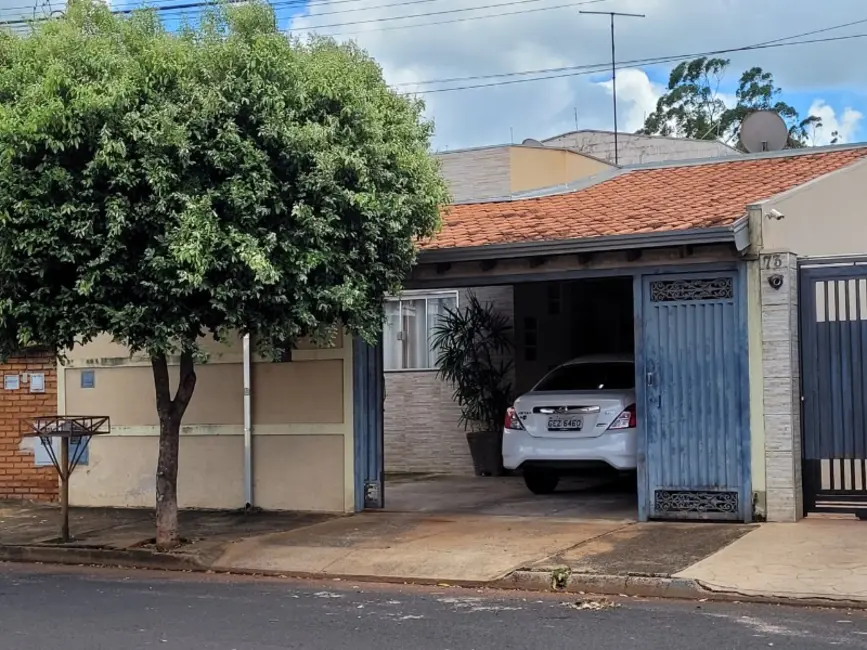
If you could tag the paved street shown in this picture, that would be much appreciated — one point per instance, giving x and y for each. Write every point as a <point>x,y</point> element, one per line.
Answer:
<point>90,609</point>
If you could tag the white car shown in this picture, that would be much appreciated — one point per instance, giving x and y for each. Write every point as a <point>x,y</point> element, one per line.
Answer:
<point>580,415</point>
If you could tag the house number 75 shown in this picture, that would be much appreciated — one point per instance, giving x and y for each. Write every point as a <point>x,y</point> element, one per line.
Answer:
<point>773,262</point>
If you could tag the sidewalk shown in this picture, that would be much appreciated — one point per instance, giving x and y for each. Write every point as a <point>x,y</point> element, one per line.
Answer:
<point>813,562</point>
<point>823,559</point>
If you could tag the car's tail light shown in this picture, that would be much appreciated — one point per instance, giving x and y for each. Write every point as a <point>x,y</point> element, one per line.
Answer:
<point>512,420</point>
<point>625,420</point>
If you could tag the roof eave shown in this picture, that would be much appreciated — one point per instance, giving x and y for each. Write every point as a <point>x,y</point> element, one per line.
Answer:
<point>736,233</point>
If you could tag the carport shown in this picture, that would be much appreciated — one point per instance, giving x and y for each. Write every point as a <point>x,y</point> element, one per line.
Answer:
<point>674,295</point>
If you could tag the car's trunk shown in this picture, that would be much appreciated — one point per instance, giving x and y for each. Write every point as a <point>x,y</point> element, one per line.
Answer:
<point>569,415</point>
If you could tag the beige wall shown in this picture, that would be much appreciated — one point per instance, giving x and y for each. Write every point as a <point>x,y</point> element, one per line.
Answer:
<point>496,172</point>
<point>825,217</point>
<point>534,168</point>
<point>302,429</point>
<point>298,392</point>
<point>120,472</point>
<point>756,374</point>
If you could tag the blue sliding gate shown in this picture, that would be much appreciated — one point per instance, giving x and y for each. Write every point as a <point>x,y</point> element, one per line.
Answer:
<point>696,397</point>
<point>368,400</point>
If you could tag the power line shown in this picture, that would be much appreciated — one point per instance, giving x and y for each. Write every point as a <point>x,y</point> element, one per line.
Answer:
<point>431,13</point>
<point>185,7</point>
<point>635,63</point>
<point>601,67</point>
<point>462,19</point>
<point>815,31</point>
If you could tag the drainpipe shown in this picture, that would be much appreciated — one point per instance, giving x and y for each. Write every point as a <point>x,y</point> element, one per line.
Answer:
<point>248,430</point>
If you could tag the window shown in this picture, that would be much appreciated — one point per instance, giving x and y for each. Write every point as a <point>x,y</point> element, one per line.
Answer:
<point>590,376</point>
<point>410,322</point>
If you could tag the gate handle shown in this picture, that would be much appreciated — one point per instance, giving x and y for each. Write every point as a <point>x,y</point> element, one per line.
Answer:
<point>650,378</point>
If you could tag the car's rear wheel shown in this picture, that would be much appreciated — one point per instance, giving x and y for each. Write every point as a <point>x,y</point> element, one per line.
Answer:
<point>541,482</point>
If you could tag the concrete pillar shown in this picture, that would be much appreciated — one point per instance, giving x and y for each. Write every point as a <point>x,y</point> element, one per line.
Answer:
<point>781,385</point>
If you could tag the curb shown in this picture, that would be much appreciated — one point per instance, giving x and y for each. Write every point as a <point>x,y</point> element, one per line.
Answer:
<point>649,586</point>
<point>126,558</point>
<point>635,585</point>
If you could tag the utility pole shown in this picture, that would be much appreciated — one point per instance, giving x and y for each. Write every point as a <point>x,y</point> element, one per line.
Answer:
<point>612,14</point>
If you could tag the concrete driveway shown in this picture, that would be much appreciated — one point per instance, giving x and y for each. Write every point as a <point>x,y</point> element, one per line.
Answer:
<point>462,549</point>
<point>585,498</point>
<point>452,529</point>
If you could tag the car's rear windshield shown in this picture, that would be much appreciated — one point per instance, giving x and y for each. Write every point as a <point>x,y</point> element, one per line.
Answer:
<point>590,376</point>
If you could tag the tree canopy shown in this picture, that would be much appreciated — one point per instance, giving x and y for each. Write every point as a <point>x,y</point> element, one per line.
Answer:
<point>694,107</point>
<point>223,178</point>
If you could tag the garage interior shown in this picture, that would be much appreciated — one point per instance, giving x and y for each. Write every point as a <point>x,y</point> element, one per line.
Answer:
<point>553,322</point>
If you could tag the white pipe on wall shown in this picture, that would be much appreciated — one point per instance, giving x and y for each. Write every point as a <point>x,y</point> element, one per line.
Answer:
<point>248,428</point>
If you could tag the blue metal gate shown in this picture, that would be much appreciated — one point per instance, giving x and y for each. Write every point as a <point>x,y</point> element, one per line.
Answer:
<point>696,398</point>
<point>368,407</point>
<point>833,310</point>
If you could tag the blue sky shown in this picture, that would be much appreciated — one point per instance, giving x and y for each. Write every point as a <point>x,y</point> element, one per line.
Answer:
<point>469,40</point>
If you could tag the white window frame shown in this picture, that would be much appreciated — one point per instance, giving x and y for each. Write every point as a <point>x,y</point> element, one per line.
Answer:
<point>419,295</point>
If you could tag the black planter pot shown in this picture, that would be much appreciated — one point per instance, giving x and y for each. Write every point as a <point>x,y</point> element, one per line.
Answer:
<point>486,448</point>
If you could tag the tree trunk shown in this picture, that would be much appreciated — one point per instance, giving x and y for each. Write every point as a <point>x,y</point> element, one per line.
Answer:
<point>167,484</point>
<point>171,412</point>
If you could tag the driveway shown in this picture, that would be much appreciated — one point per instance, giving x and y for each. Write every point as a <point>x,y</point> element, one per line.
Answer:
<point>586,499</point>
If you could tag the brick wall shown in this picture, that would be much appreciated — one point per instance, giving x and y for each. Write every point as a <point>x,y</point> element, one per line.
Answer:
<point>19,477</point>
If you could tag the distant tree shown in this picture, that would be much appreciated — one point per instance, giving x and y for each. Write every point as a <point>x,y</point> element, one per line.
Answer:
<point>693,106</point>
<point>158,186</point>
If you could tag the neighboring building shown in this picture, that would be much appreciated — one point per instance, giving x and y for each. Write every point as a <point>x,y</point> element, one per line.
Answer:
<point>29,390</point>
<point>634,149</point>
<point>503,170</point>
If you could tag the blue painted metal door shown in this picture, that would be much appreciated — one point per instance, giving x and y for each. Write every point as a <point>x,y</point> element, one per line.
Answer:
<point>696,398</point>
<point>368,408</point>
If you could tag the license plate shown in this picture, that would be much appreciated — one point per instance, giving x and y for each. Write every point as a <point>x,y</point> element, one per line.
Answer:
<point>565,424</point>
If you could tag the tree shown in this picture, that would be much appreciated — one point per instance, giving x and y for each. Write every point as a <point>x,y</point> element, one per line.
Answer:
<point>693,106</point>
<point>158,186</point>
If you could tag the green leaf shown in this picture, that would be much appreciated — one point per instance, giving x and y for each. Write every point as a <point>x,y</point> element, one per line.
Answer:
<point>157,185</point>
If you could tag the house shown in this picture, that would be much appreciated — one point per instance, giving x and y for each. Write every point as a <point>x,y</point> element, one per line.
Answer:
<point>637,149</point>
<point>29,390</point>
<point>740,285</point>
<point>502,170</point>
<point>718,263</point>
<point>422,427</point>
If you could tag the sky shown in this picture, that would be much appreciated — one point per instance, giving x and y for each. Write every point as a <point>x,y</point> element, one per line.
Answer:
<point>466,39</point>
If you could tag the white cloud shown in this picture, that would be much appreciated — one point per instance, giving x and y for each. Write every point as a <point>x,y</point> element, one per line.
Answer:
<point>845,126</point>
<point>636,97</point>
<point>562,37</point>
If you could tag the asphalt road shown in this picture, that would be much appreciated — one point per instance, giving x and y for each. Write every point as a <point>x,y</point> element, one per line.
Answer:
<point>90,609</point>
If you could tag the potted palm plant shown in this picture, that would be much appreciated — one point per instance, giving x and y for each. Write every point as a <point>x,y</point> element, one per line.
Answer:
<point>473,348</point>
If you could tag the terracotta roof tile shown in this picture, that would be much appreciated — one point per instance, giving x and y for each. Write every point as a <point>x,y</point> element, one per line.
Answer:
<point>638,201</point>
